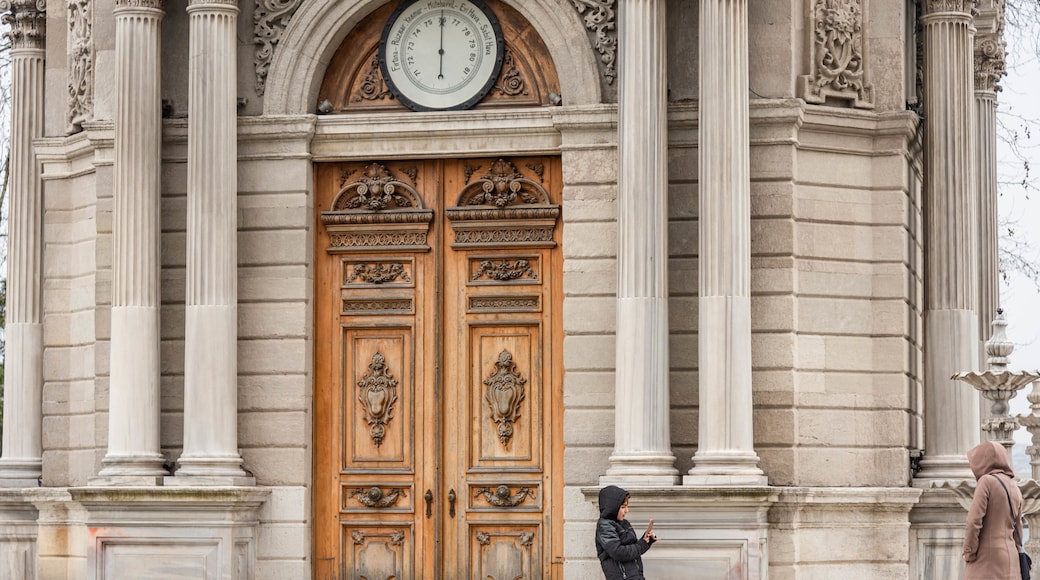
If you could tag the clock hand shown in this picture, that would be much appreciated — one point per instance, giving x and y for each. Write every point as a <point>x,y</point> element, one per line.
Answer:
<point>440,71</point>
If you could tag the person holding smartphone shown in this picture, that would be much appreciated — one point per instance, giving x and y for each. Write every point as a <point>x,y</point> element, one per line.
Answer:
<point>619,549</point>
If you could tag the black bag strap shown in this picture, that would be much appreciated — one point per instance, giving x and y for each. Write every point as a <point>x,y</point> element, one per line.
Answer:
<point>1018,532</point>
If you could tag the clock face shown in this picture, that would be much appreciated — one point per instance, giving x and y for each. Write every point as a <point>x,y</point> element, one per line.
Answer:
<point>441,54</point>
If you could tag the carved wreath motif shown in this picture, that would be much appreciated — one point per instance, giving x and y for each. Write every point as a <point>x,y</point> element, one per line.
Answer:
<point>504,270</point>
<point>375,498</point>
<point>377,394</point>
<point>502,186</point>
<point>376,190</point>
<point>838,51</point>
<point>80,98</point>
<point>269,21</point>
<point>378,273</point>
<point>502,497</point>
<point>505,392</point>
<point>599,16</point>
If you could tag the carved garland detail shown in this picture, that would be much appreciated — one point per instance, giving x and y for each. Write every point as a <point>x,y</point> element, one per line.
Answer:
<point>377,392</point>
<point>28,22</point>
<point>377,498</point>
<point>269,21</point>
<point>599,16</point>
<point>505,392</point>
<point>378,273</point>
<point>504,270</point>
<point>502,496</point>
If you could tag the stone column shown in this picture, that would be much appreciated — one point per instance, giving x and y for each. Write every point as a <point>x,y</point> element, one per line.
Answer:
<point>211,313</point>
<point>726,453</point>
<point>989,68</point>
<point>951,324</point>
<point>21,463</point>
<point>642,447</point>
<point>133,415</point>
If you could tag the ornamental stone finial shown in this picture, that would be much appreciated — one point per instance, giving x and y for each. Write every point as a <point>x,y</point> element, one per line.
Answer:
<point>998,347</point>
<point>28,22</point>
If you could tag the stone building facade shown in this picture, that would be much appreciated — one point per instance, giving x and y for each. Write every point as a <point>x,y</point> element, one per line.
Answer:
<point>275,313</point>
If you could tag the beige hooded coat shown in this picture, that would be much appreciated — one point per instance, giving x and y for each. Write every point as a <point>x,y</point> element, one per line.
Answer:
<point>990,550</point>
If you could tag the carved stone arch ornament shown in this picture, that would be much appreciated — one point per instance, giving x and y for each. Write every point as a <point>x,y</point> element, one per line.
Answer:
<point>503,207</point>
<point>297,40</point>
<point>377,211</point>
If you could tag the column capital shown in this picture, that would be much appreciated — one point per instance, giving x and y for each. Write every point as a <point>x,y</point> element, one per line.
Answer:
<point>960,7</point>
<point>28,22</point>
<point>990,63</point>
<point>152,4</point>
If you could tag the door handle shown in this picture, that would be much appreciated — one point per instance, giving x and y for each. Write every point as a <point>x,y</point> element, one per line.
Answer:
<point>428,496</point>
<point>451,503</point>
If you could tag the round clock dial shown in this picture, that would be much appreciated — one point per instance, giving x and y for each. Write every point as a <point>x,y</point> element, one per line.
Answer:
<point>441,54</point>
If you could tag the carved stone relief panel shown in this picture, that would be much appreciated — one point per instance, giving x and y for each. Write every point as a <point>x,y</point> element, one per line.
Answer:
<point>80,48</point>
<point>837,60</point>
<point>600,21</point>
<point>270,17</point>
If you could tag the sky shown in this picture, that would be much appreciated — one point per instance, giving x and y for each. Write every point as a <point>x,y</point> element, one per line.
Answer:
<point>1019,209</point>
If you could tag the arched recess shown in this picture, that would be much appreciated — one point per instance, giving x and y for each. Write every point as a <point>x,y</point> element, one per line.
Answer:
<point>353,82</point>
<point>318,29</point>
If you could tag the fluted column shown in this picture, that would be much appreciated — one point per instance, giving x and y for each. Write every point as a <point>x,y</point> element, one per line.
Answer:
<point>951,325</point>
<point>725,453</point>
<point>989,68</point>
<point>211,314</point>
<point>133,415</point>
<point>642,448</point>
<point>21,462</point>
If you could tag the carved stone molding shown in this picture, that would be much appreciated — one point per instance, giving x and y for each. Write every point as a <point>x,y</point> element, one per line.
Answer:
<point>80,47</point>
<point>378,211</point>
<point>377,392</point>
<point>374,497</point>
<point>28,22</point>
<point>838,69</point>
<point>599,17</point>
<point>502,496</point>
<point>270,17</point>
<point>505,392</point>
<point>503,207</point>
<point>990,64</point>
<point>154,4</point>
<point>962,6</point>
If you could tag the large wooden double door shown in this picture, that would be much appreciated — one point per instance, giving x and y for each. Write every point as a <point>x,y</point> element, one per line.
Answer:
<point>438,370</point>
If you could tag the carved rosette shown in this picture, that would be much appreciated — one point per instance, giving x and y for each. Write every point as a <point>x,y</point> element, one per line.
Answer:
<point>28,22</point>
<point>990,65</point>
<point>378,211</point>
<point>599,18</point>
<point>503,207</point>
<point>502,496</point>
<point>837,54</point>
<point>377,392</point>
<point>270,17</point>
<point>80,98</point>
<point>505,392</point>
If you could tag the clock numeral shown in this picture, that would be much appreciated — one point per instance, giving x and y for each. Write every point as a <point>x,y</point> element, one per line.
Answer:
<point>472,57</point>
<point>466,70</point>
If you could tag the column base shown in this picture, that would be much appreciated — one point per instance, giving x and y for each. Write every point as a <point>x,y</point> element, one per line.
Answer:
<point>947,468</point>
<point>209,481</point>
<point>724,470</point>
<point>211,471</point>
<point>20,472</point>
<point>641,470</point>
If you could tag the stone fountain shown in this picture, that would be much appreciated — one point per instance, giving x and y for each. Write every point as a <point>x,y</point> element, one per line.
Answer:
<point>999,385</point>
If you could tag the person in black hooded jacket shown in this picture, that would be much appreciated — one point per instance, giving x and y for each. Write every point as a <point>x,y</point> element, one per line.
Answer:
<point>619,549</point>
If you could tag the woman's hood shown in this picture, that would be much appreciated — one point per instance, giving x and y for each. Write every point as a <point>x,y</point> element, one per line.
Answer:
<point>610,500</point>
<point>989,457</point>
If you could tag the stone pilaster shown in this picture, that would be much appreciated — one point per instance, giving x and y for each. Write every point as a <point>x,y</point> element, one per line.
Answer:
<point>21,463</point>
<point>989,68</point>
<point>211,312</point>
<point>133,416</point>
<point>642,448</point>
<point>951,331</point>
<point>725,454</point>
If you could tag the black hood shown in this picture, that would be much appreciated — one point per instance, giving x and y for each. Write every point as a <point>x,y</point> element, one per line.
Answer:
<point>610,500</point>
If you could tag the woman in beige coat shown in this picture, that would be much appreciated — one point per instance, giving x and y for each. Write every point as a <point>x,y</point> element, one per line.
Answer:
<point>990,545</point>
